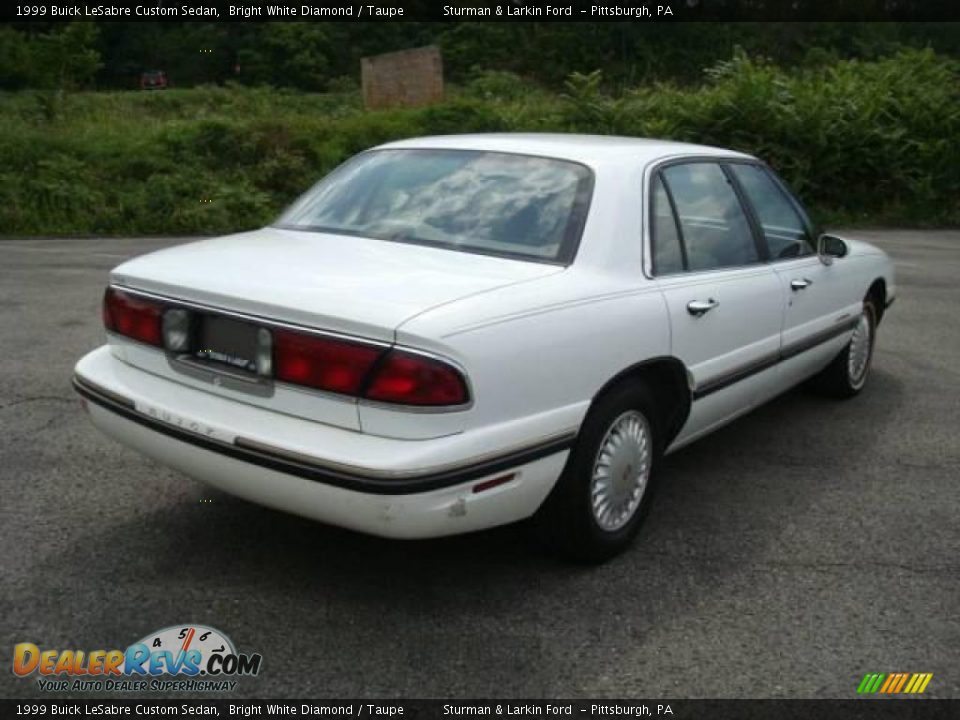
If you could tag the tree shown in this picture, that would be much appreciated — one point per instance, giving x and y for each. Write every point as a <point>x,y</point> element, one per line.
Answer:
<point>66,58</point>
<point>288,54</point>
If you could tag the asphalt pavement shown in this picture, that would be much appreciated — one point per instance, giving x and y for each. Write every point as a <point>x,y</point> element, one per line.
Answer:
<point>787,554</point>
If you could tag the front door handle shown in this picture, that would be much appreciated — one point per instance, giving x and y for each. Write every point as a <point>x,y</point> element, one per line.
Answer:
<point>800,284</point>
<point>699,307</point>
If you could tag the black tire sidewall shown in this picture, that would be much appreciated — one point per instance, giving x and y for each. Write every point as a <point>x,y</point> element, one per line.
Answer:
<point>834,380</point>
<point>870,311</point>
<point>569,507</point>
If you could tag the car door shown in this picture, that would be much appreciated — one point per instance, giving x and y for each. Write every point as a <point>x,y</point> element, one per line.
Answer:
<point>820,306</point>
<point>724,301</point>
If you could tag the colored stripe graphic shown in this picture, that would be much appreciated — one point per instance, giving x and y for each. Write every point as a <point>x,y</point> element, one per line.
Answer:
<point>900,683</point>
<point>894,683</point>
<point>870,683</point>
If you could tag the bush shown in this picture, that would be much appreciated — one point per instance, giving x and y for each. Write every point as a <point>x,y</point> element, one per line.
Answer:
<point>868,142</point>
<point>496,85</point>
<point>859,141</point>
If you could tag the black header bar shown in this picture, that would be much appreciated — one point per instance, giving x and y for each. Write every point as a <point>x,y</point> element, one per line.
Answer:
<point>479,11</point>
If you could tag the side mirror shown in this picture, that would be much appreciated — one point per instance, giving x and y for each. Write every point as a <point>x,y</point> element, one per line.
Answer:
<point>830,247</point>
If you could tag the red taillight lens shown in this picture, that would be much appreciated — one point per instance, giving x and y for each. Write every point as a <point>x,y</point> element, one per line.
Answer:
<point>317,361</point>
<point>409,379</point>
<point>321,362</point>
<point>133,317</point>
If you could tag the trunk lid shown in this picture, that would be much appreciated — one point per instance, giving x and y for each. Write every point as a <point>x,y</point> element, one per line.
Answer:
<point>351,285</point>
<point>354,285</point>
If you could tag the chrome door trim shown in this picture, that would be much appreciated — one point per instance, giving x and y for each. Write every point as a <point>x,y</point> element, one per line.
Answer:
<point>735,375</point>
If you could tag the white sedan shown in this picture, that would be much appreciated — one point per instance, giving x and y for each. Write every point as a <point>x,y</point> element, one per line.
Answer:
<point>451,333</point>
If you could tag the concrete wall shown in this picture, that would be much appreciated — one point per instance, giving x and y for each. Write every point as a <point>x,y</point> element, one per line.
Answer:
<point>407,78</point>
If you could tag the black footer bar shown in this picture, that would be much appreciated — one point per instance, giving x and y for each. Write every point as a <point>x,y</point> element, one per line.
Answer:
<point>919,708</point>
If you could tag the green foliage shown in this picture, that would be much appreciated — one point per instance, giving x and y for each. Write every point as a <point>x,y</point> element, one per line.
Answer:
<point>16,67</point>
<point>320,55</point>
<point>289,55</point>
<point>64,59</point>
<point>860,141</point>
<point>460,116</point>
<point>588,106</point>
<point>496,85</point>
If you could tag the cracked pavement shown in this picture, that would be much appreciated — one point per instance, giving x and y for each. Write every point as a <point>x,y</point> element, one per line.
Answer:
<point>787,555</point>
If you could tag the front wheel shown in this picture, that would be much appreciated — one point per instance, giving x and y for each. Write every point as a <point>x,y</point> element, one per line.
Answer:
<point>847,374</point>
<point>603,495</point>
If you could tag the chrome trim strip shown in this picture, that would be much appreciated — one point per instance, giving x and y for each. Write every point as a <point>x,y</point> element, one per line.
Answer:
<point>248,317</point>
<point>817,338</point>
<point>786,352</point>
<point>267,449</point>
<point>317,470</point>
<point>735,375</point>
<point>108,394</point>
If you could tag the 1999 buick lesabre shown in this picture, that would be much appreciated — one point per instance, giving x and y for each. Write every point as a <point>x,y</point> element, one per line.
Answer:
<point>451,333</point>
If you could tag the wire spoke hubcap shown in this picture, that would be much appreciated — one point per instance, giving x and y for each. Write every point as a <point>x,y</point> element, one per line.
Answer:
<point>861,345</point>
<point>621,471</point>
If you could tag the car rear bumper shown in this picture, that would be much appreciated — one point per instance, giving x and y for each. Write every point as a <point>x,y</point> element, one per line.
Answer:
<point>329,474</point>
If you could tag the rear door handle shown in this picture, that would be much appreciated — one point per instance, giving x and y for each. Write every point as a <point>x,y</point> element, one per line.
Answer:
<point>800,284</point>
<point>699,307</point>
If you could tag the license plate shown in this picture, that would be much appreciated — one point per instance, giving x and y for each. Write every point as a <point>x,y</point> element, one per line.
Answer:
<point>228,342</point>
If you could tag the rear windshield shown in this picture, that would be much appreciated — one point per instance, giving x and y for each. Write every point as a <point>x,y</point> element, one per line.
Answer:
<point>521,206</point>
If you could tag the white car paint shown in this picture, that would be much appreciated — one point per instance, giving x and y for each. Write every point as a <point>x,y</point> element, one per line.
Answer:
<point>536,341</point>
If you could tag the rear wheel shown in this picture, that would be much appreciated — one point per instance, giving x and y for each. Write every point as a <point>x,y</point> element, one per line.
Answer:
<point>604,493</point>
<point>847,374</point>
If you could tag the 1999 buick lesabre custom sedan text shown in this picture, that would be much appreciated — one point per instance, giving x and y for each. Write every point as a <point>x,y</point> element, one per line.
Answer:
<point>112,709</point>
<point>117,11</point>
<point>451,333</point>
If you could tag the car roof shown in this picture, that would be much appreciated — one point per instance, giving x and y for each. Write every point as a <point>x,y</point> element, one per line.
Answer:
<point>593,150</point>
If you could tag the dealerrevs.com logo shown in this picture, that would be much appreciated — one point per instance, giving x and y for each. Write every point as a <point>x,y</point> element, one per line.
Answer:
<point>178,658</point>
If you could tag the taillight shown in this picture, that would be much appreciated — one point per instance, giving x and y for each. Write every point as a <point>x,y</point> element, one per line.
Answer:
<point>326,363</point>
<point>321,362</point>
<point>133,317</point>
<point>409,379</point>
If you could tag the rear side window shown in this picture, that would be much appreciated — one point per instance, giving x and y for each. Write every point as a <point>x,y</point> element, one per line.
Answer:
<point>713,225</point>
<point>783,228</point>
<point>667,253</point>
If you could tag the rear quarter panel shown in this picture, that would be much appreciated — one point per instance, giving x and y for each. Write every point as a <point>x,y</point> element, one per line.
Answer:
<point>538,358</point>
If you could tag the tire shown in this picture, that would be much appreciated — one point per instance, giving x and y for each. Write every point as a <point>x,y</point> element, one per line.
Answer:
<point>622,427</point>
<point>847,374</point>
